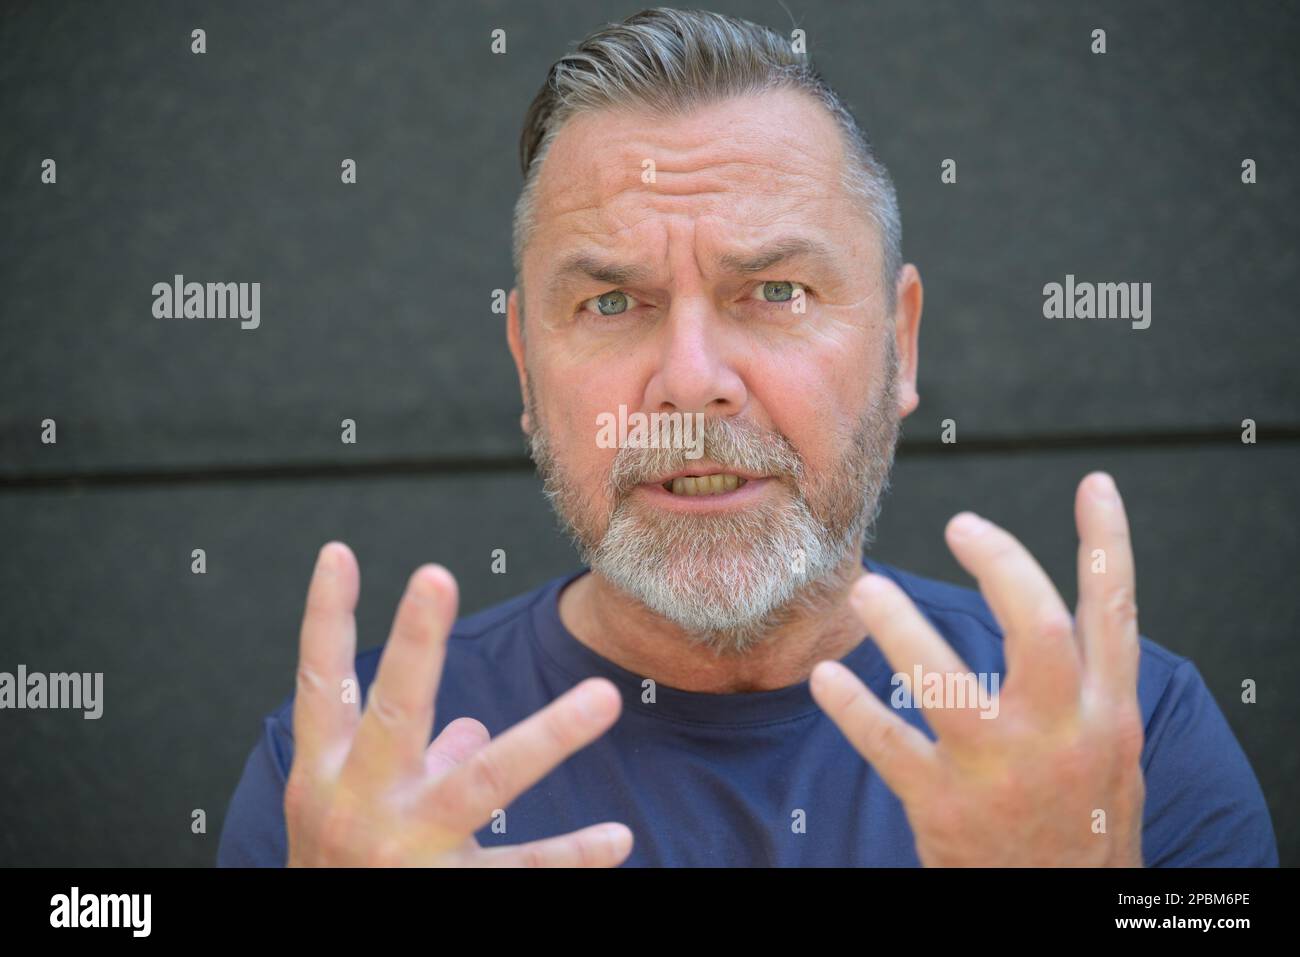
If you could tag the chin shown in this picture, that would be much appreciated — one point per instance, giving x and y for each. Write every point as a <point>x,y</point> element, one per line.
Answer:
<point>724,583</point>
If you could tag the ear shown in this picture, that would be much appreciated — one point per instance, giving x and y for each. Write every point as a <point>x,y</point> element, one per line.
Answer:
<point>907,334</point>
<point>515,336</point>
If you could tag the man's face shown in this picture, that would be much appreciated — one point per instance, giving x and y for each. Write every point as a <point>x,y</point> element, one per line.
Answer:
<point>681,304</point>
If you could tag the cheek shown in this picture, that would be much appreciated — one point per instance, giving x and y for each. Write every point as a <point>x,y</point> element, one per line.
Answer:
<point>815,401</point>
<point>588,398</point>
<point>853,381</point>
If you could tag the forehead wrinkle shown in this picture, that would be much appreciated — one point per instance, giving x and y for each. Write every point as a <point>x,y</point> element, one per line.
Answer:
<point>601,180</point>
<point>741,239</point>
<point>603,208</point>
<point>591,207</point>
<point>715,174</point>
<point>605,223</point>
<point>787,155</point>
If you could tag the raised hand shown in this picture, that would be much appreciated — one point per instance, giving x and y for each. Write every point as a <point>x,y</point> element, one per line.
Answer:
<point>368,789</point>
<point>1055,778</point>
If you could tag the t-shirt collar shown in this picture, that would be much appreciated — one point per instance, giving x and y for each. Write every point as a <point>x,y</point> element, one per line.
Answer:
<point>563,651</point>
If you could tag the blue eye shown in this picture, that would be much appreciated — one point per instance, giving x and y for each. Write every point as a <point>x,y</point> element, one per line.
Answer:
<point>776,292</point>
<point>613,303</point>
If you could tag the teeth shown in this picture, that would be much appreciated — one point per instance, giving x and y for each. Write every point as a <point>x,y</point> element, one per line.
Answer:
<point>706,484</point>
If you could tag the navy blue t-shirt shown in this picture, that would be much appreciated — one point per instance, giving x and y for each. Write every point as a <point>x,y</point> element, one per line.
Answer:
<point>722,779</point>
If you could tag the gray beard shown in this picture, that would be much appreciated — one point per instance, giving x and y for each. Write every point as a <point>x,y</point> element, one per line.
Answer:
<point>730,580</point>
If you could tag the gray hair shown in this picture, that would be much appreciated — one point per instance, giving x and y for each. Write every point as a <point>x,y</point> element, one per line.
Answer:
<point>670,61</point>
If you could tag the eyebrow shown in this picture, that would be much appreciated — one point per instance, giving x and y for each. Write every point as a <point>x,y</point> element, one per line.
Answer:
<point>585,265</point>
<point>776,252</point>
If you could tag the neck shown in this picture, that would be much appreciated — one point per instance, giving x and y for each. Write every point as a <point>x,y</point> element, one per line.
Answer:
<point>820,624</point>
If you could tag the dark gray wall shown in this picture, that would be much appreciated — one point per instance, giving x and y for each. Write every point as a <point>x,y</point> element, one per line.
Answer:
<point>375,304</point>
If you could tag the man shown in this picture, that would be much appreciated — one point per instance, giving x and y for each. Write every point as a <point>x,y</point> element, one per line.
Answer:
<point>705,233</point>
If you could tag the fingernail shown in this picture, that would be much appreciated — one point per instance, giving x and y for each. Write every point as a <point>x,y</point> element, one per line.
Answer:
<point>617,839</point>
<point>325,558</point>
<point>424,583</point>
<point>968,525</point>
<point>1103,487</point>
<point>824,674</point>
<point>865,589</point>
<point>594,701</point>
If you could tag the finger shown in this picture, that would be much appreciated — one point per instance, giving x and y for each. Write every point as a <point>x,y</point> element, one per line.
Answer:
<point>601,845</point>
<point>909,641</point>
<point>1107,590</point>
<point>465,799</point>
<point>901,754</point>
<point>398,718</point>
<point>453,746</point>
<point>1042,653</point>
<point>324,718</point>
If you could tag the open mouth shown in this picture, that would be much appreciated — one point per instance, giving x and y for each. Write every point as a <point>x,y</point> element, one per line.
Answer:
<point>693,485</point>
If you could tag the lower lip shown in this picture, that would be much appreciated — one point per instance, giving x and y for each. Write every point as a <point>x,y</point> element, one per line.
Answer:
<point>751,491</point>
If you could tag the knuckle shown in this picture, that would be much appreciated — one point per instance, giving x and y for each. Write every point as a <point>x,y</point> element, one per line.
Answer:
<point>584,852</point>
<point>1075,765</point>
<point>1055,622</point>
<point>337,831</point>
<point>1121,606</point>
<point>386,851</point>
<point>854,705</point>
<point>295,796</point>
<point>884,737</point>
<point>390,714</point>
<point>487,779</point>
<point>944,821</point>
<point>1130,749</point>
<point>531,856</point>
<point>1127,733</point>
<point>445,803</point>
<point>309,680</point>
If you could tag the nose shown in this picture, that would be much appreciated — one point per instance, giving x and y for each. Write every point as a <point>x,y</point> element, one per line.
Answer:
<point>696,370</point>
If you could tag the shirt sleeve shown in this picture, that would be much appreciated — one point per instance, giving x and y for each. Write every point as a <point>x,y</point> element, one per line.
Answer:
<point>253,834</point>
<point>1204,806</point>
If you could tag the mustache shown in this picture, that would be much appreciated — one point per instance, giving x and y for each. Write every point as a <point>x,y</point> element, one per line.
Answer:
<point>727,442</point>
